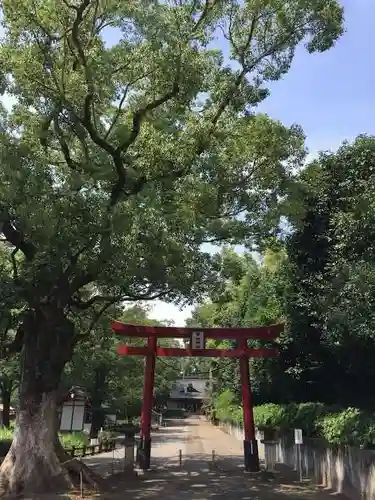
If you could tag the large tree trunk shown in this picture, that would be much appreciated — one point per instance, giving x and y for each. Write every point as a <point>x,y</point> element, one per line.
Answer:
<point>32,465</point>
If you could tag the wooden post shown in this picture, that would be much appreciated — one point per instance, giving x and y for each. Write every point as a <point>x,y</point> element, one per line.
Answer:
<point>148,390</point>
<point>251,456</point>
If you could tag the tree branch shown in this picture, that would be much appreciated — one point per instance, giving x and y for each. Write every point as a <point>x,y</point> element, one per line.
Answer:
<point>74,260</point>
<point>16,345</point>
<point>95,319</point>
<point>15,236</point>
<point>76,302</point>
<point>83,305</point>
<point>63,144</point>
<point>124,146</point>
<point>140,113</point>
<point>119,108</point>
<point>209,6</point>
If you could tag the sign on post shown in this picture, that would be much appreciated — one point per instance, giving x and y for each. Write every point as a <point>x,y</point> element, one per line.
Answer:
<point>298,438</point>
<point>197,340</point>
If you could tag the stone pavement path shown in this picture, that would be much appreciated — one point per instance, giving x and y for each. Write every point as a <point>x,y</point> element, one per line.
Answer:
<point>196,479</point>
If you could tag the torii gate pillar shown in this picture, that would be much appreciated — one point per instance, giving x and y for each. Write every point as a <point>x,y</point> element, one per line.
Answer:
<point>144,450</point>
<point>250,444</point>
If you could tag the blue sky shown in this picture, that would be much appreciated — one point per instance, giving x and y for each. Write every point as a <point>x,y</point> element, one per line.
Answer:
<point>331,95</point>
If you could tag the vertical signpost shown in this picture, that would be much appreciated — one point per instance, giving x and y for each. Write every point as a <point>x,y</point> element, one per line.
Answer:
<point>298,440</point>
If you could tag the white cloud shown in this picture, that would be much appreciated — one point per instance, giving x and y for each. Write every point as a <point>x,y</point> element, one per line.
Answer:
<point>164,311</point>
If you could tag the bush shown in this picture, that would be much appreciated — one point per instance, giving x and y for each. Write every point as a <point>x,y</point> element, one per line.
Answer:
<point>108,436</point>
<point>73,440</point>
<point>6,434</point>
<point>226,407</point>
<point>345,427</point>
<point>349,427</point>
<point>308,416</point>
<point>6,438</point>
<point>275,416</point>
<point>68,440</point>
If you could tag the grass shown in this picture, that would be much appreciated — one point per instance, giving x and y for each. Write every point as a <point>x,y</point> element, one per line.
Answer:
<point>68,440</point>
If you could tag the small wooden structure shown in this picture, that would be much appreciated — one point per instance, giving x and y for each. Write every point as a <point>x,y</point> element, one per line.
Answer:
<point>188,394</point>
<point>73,410</point>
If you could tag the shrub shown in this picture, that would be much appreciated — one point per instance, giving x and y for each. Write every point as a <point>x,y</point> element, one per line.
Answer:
<point>6,434</point>
<point>174,413</point>
<point>68,441</point>
<point>226,406</point>
<point>308,416</point>
<point>108,436</point>
<point>275,416</point>
<point>6,438</point>
<point>74,439</point>
<point>349,427</point>
<point>346,427</point>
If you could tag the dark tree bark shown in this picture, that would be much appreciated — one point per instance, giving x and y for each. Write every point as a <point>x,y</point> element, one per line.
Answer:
<point>5,397</point>
<point>97,422</point>
<point>32,465</point>
<point>97,400</point>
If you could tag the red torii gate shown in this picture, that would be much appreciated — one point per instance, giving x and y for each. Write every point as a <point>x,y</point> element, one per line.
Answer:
<point>197,338</point>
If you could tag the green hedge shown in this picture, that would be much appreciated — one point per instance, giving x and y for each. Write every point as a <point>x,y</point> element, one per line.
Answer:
<point>346,427</point>
<point>68,440</point>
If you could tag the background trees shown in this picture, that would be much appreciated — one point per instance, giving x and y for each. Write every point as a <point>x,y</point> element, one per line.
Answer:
<point>113,380</point>
<point>320,285</point>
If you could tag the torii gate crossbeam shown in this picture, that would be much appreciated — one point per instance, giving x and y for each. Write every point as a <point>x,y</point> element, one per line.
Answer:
<point>197,338</point>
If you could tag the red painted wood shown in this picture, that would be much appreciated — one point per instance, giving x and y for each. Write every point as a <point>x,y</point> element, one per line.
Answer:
<point>148,388</point>
<point>264,352</point>
<point>247,403</point>
<point>261,332</point>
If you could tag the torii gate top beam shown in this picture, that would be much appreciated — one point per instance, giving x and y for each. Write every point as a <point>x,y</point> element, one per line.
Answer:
<point>257,333</point>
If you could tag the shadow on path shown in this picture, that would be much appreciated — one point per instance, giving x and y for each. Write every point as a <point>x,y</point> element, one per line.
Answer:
<point>185,485</point>
<point>199,478</point>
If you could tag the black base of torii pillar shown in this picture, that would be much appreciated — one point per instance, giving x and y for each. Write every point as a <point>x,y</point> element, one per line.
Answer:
<point>250,444</point>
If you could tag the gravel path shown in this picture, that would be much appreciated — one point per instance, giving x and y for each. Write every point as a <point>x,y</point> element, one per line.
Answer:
<point>197,479</point>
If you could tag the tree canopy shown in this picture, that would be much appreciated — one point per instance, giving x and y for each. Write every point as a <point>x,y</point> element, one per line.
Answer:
<point>120,161</point>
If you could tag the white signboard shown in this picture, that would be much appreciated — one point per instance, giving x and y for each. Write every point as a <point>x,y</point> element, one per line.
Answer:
<point>197,340</point>
<point>298,438</point>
